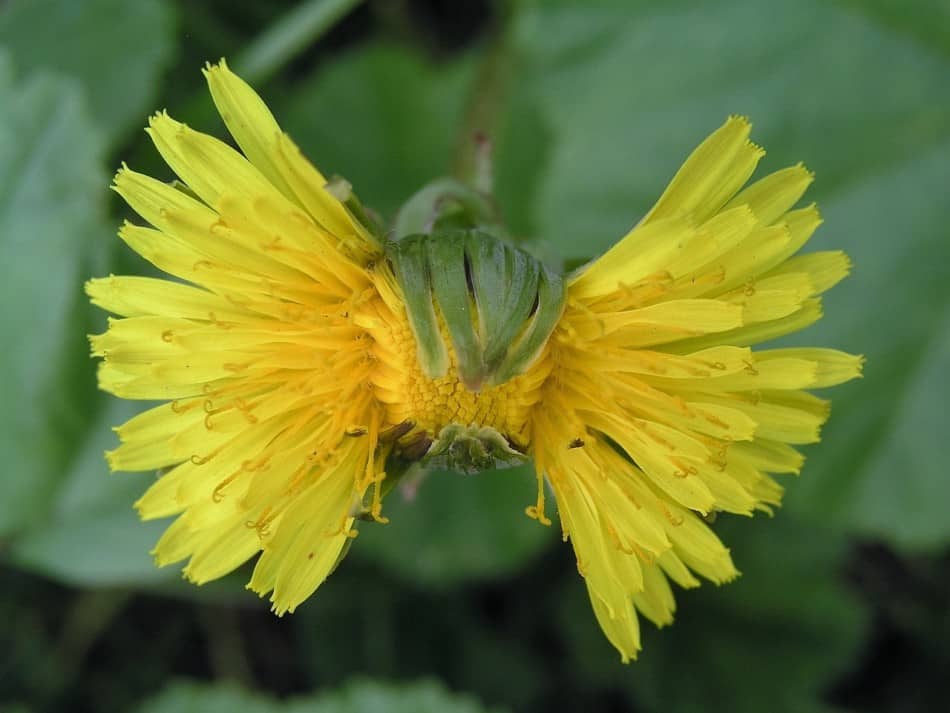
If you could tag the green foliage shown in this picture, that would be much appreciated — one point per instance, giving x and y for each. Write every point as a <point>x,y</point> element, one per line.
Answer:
<point>356,697</point>
<point>452,528</point>
<point>113,48</point>
<point>51,215</point>
<point>90,535</point>
<point>878,470</point>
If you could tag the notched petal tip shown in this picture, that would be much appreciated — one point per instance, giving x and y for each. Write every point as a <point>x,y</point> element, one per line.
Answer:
<point>211,68</point>
<point>91,286</point>
<point>740,121</point>
<point>862,360</point>
<point>757,150</point>
<point>110,460</point>
<point>120,175</point>
<point>161,122</point>
<point>801,166</point>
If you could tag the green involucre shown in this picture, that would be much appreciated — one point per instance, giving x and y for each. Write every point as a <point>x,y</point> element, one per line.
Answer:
<point>499,304</point>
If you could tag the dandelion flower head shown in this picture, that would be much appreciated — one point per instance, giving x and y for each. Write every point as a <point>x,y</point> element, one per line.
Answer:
<point>304,360</point>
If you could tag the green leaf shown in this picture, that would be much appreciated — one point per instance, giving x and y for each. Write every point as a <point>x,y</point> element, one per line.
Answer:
<point>114,48</point>
<point>926,21</point>
<point>521,152</point>
<point>383,117</point>
<point>456,528</point>
<point>774,640</point>
<point>290,35</point>
<point>646,84</point>
<point>92,536</point>
<point>863,102</point>
<point>358,696</point>
<point>879,469</point>
<point>50,213</point>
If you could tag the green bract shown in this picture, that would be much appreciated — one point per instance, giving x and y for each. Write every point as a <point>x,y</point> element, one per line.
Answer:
<point>498,303</point>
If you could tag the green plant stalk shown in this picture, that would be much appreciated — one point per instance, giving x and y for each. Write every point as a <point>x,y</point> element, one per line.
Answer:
<point>289,36</point>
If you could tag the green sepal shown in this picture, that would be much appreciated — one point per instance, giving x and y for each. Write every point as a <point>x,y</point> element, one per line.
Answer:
<point>471,449</point>
<point>450,285</point>
<point>411,264</point>
<point>505,281</point>
<point>551,295</point>
<point>499,304</point>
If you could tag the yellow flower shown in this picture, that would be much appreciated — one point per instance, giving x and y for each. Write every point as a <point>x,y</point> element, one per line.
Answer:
<point>301,355</point>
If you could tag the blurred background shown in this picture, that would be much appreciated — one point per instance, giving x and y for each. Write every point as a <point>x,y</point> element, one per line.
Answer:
<point>462,604</point>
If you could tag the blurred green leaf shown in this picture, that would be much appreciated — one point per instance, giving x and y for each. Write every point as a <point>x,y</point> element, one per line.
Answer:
<point>382,117</point>
<point>863,104</point>
<point>626,104</point>
<point>288,36</point>
<point>114,48</point>
<point>456,528</point>
<point>879,468</point>
<point>774,640</point>
<point>520,155</point>
<point>92,536</point>
<point>50,213</point>
<point>359,696</point>
<point>924,20</point>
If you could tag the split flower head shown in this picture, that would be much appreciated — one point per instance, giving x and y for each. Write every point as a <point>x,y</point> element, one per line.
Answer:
<point>306,362</point>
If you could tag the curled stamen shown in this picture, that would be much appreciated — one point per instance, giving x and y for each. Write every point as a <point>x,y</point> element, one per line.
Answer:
<point>536,511</point>
<point>218,494</point>
<point>376,511</point>
<point>262,524</point>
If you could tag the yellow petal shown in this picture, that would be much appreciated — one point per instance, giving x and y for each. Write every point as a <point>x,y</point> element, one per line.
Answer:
<point>711,175</point>
<point>771,197</point>
<point>833,367</point>
<point>207,165</point>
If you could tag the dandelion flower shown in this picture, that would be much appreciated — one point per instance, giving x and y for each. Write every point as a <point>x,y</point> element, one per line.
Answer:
<point>301,356</point>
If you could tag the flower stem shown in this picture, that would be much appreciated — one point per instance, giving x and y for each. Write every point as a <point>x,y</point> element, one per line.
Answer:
<point>290,35</point>
<point>485,104</point>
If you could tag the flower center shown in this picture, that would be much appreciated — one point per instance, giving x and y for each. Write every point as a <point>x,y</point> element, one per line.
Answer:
<point>430,404</point>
